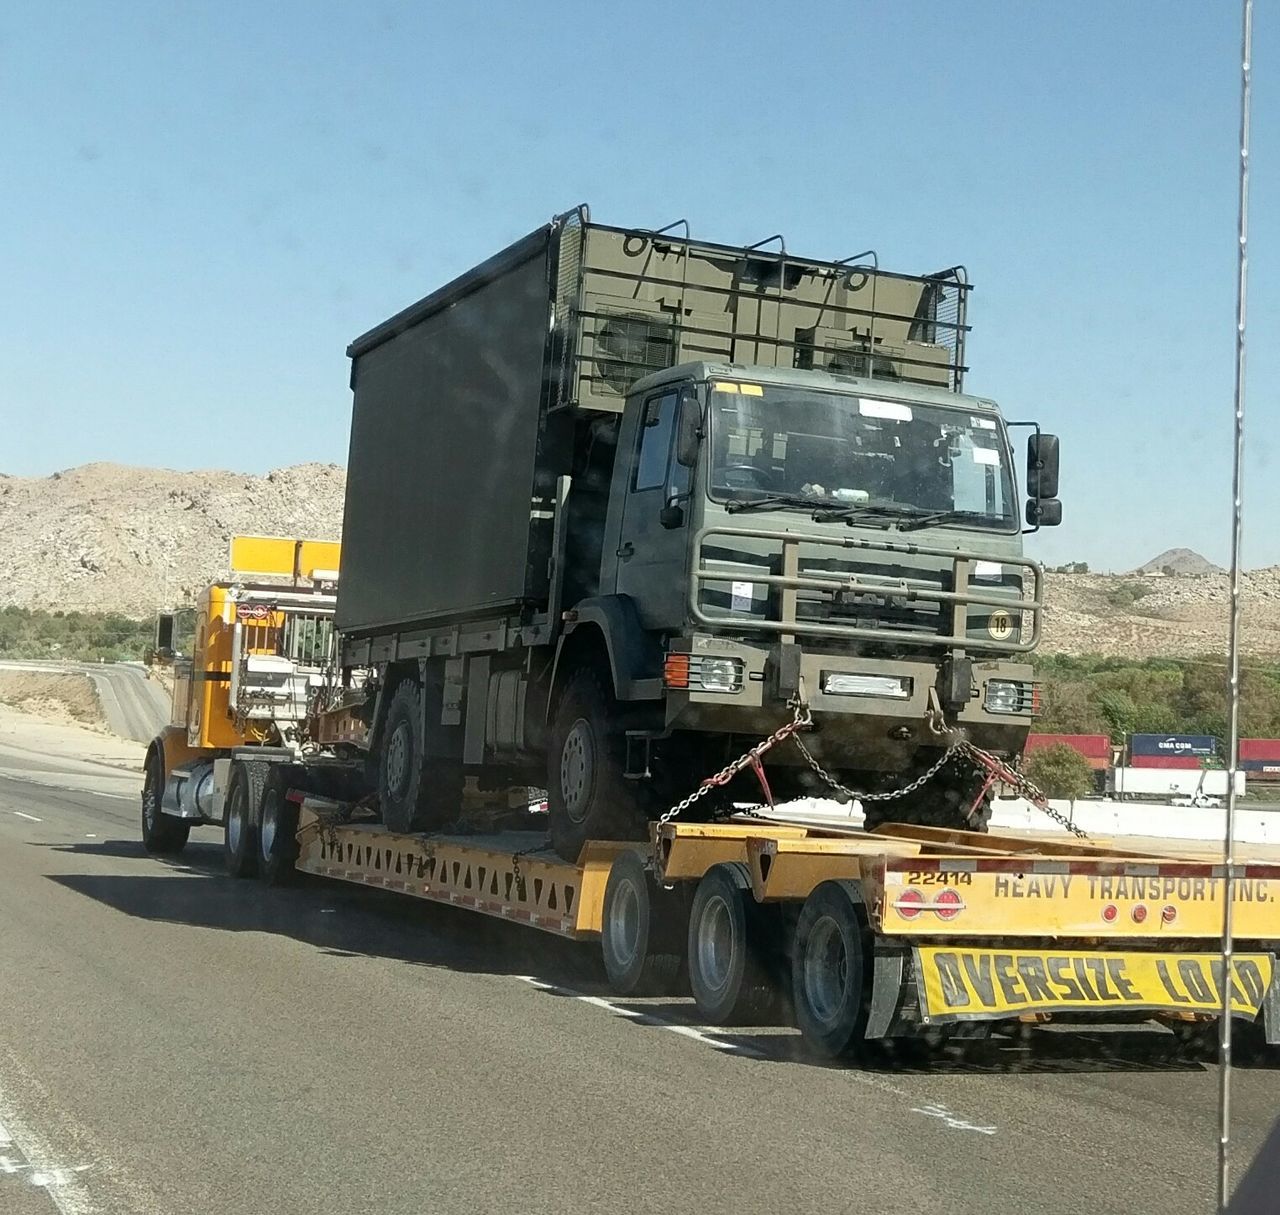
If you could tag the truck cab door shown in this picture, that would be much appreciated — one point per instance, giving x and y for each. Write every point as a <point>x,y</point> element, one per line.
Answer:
<point>652,545</point>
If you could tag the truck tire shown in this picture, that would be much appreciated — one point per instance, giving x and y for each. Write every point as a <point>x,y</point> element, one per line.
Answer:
<point>244,804</point>
<point>162,834</point>
<point>943,802</point>
<point>830,971</point>
<point>733,951</point>
<point>588,795</point>
<point>643,931</point>
<point>278,824</point>
<point>415,792</point>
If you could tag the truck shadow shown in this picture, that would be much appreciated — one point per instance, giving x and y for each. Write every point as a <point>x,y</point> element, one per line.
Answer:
<point>343,920</point>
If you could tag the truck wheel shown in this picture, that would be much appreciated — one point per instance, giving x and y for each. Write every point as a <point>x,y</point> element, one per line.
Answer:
<point>162,834</point>
<point>278,825</point>
<point>830,980</point>
<point>944,802</point>
<point>643,931</point>
<point>733,946</point>
<point>588,795</point>
<point>244,802</point>
<point>415,793</point>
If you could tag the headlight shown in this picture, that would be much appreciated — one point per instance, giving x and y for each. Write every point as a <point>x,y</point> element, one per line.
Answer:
<point>698,673</point>
<point>1004,696</point>
<point>840,683</point>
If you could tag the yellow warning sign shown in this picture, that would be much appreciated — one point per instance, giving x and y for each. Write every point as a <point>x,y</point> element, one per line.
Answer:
<point>963,984</point>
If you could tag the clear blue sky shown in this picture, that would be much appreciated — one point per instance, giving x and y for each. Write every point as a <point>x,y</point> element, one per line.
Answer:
<point>203,203</point>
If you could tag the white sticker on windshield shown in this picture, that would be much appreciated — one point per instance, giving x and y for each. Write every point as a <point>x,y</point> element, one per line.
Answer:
<point>894,411</point>
<point>742,596</point>
<point>982,423</point>
<point>985,455</point>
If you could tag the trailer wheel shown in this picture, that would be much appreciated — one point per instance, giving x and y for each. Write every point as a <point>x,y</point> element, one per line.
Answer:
<point>278,825</point>
<point>588,795</point>
<point>416,793</point>
<point>734,950</point>
<point>244,802</point>
<point>643,930</point>
<point>162,834</point>
<point>830,977</point>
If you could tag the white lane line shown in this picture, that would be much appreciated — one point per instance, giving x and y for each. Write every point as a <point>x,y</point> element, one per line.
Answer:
<point>25,1156</point>
<point>928,1109</point>
<point>32,817</point>
<point>644,1018</point>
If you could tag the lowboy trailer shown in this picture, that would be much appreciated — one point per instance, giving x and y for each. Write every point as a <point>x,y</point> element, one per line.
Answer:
<point>858,936</point>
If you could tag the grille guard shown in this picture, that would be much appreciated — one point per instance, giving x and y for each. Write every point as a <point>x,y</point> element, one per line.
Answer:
<point>782,604</point>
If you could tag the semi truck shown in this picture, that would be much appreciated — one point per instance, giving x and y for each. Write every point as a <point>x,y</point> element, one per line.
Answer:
<point>620,500</point>
<point>644,517</point>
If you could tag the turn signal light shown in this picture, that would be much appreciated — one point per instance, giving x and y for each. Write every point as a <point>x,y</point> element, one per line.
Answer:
<point>675,671</point>
<point>1169,914</point>
<point>1109,913</point>
<point>1139,914</point>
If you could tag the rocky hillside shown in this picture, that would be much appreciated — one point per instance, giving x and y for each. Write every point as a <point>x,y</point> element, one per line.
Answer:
<point>1132,616</point>
<point>1179,562</point>
<point>106,537</point>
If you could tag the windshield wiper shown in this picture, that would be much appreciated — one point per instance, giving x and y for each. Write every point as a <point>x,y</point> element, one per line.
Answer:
<point>735,508</point>
<point>877,512</point>
<point>931,518</point>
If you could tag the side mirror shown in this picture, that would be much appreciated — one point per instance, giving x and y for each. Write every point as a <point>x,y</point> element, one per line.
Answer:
<point>1042,466</point>
<point>689,429</point>
<point>671,516</point>
<point>164,635</point>
<point>1044,512</point>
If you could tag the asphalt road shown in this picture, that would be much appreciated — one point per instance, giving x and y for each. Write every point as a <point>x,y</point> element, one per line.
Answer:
<point>135,707</point>
<point>172,1040</point>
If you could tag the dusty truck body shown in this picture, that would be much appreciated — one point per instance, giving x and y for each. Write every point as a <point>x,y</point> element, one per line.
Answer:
<point>621,503</point>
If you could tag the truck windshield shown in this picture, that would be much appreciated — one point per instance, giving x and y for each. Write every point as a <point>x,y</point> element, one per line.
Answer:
<point>804,447</point>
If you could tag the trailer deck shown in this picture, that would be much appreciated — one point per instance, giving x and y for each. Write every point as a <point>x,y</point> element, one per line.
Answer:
<point>943,926</point>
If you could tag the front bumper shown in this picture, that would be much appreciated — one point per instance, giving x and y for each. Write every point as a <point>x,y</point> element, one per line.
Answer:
<point>859,732</point>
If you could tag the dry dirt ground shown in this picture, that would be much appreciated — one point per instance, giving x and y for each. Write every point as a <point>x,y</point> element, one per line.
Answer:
<point>59,699</point>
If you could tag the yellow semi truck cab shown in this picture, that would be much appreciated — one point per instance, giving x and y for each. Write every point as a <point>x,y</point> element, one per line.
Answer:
<point>263,642</point>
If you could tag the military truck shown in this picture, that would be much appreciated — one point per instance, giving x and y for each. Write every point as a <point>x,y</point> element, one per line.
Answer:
<point>622,503</point>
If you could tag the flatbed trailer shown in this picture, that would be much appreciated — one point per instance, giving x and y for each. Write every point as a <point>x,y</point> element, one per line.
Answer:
<point>857,936</point>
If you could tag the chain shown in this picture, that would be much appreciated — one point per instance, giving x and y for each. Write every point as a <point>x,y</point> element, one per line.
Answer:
<point>517,876</point>
<point>800,720</point>
<point>957,746</point>
<point>1001,771</point>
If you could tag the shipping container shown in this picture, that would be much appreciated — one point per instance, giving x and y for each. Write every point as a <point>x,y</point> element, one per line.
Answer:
<point>1096,748</point>
<point>1180,762</point>
<point>1203,746</point>
<point>1261,769</point>
<point>1267,749</point>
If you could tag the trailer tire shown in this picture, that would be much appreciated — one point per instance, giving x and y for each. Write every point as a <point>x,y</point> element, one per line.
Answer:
<point>162,834</point>
<point>642,931</point>
<point>830,971</point>
<point>278,825</point>
<point>244,804</point>
<point>415,792</point>
<point>734,951</point>
<point>588,795</point>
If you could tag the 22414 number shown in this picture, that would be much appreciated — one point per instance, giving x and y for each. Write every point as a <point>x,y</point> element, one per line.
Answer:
<point>941,877</point>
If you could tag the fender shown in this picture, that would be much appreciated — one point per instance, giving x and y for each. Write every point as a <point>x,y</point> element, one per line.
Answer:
<point>635,655</point>
<point>172,746</point>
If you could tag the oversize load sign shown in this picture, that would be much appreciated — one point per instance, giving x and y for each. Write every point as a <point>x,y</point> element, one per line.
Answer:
<point>967,984</point>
